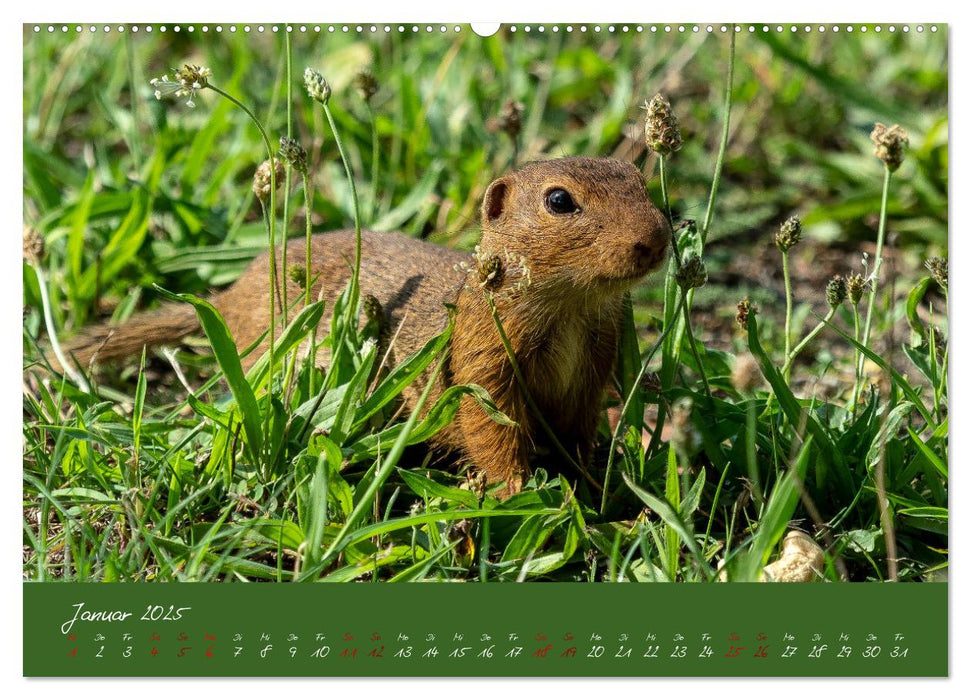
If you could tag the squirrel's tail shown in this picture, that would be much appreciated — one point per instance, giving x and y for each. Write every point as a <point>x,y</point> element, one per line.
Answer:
<point>168,324</point>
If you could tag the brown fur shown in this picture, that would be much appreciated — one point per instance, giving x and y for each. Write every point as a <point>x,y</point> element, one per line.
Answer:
<point>168,324</point>
<point>563,329</point>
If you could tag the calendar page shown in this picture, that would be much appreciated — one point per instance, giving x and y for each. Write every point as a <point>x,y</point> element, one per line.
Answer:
<point>625,345</point>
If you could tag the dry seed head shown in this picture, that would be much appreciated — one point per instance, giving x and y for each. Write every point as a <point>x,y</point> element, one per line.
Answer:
<point>262,181</point>
<point>789,233</point>
<point>745,374</point>
<point>661,129</point>
<point>938,270</point>
<point>692,273</point>
<point>294,154</point>
<point>651,383</point>
<point>836,291</point>
<point>509,120</point>
<point>743,309</point>
<point>316,86</point>
<point>366,84</point>
<point>33,245</point>
<point>889,143</point>
<point>855,286</point>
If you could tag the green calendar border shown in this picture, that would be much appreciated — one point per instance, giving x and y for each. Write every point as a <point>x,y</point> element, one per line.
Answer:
<point>542,615</point>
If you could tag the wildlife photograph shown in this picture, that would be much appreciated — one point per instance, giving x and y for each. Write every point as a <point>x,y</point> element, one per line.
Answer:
<point>589,303</point>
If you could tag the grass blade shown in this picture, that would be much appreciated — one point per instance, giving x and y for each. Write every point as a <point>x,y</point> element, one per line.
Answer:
<point>224,348</point>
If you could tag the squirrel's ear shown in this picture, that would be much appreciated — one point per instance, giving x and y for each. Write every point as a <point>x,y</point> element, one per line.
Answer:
<point>494,203</point>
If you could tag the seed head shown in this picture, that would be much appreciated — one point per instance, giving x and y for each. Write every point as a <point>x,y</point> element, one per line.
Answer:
<point>509,120</point>
<point>188,80</point>
<point>294,154</point>
<point>789,233</point>
<point>491,272</point>
<point>297,274</point>
<point>651,383</point>
<point>373,311</point>
<point>836,291</point>
<point>33,245</point>
<point>661,129</point>
<point>855,286</point>
<point>692,272</point>
<point>684,437</point>
<point>316,86</point>
<point>366,84</point>
<point>743,309</point>
<point>262,181</point>
<point>889,143</point>
<point>745,374</point>
<point>938,270</point>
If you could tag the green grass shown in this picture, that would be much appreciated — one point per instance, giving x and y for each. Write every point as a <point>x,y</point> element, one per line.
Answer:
<point>190,469</point>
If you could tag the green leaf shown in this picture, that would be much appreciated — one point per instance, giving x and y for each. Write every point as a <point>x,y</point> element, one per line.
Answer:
<point>329,460</point>
<point>693,498</point>
<point>220,418</point>
<point>895,376</point>
<point>224,348</point>
<point>670,516</point>
<point>427,488</point>
<point>298,329</point>
<point>401,376</point>
<point>921,357</point>
<point>439,415</point>
<point>888,431</point>
<point>383,528</point>
<point>925,512</point>
<point>779,511</point>
<point>936,461</point>
<point>323,417</point>
<point>123,246</point>
<point>794,412</point>
<point>338,491</point>
<point>628,367</point>
<point>139,406</point>
<point>576,526</point>
<point>419,570</point>
<point>913,300</point>
<point>79,223</point>
<point>82,495</point>
<point>286,533</point>
<point>226,564</point>
<point>529,538</point>
<point>344,418</point>
<point>672,491</point>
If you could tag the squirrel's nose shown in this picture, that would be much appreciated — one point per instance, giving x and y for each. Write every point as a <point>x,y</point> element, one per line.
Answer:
<point>650,249</point>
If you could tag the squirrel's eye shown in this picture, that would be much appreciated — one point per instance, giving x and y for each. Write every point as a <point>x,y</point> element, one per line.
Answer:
<point>559,201</point>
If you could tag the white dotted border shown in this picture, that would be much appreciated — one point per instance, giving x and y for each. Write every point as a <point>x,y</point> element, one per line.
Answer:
<point>453,28</point>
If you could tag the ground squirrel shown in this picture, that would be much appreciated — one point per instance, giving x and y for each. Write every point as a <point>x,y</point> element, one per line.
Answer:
<point>582,230</point>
